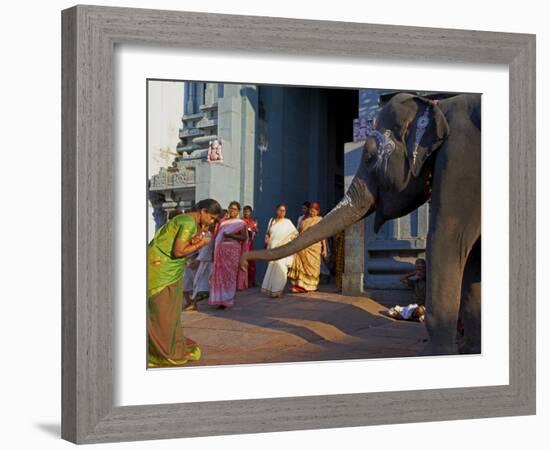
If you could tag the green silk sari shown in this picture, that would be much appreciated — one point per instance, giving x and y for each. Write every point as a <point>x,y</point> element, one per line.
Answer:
<point>167,346</point>
<point>164,269</point>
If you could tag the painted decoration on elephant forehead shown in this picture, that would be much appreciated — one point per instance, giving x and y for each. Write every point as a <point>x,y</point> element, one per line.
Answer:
<point>421,125</point>
<point>384,143</point>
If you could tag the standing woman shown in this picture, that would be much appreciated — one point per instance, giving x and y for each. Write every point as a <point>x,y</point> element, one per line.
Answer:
<point>201,287</point>
<point>166,257</point>
<point>306,268</point>
<point>305,212</point>
<point>280,231</point>
<point>226,276</point>
<point>252,229</point>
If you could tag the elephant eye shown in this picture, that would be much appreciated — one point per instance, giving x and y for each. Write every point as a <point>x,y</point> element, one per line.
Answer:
<point>372,157</point>
<point>389,135</point>
<point>371,149</point>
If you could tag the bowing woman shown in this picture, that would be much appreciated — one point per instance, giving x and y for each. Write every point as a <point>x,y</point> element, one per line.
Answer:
<point>166,257</point>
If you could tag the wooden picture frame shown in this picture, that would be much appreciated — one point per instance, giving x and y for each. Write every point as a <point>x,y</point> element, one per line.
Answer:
<point>90,34</point>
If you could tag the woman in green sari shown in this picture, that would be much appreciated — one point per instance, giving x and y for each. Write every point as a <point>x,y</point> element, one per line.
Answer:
<point>166,257</point>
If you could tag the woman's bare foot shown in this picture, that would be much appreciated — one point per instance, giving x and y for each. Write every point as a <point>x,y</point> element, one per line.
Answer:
<point>297,289</point>
<point>190,307</point>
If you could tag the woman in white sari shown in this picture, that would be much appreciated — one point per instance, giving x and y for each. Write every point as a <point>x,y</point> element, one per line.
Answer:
<point>280,230</point>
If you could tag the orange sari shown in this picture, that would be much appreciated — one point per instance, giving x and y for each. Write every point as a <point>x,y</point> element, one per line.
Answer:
<point>306,267</point>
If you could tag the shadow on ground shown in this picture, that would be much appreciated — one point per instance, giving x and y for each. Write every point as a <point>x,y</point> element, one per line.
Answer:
<point>317,326</point>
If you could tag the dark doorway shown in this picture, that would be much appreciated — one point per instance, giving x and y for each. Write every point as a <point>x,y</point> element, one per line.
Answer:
<point>342,109</point>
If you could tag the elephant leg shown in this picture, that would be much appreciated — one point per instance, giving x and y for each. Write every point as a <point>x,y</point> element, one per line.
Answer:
<point>447,252</point>
<point>471,302</point>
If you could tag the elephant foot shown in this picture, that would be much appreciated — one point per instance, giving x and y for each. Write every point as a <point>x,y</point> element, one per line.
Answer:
<point>469,348</point>
<point>433,349</point>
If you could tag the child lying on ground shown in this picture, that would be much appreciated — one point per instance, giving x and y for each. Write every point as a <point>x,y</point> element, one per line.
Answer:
<point>410,312</point>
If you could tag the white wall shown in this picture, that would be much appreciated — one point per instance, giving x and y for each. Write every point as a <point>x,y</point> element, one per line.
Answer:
<point>30,387</point>
<point>165,109</point>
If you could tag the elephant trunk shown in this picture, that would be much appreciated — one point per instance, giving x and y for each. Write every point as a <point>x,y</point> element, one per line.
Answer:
<point>356,204</point>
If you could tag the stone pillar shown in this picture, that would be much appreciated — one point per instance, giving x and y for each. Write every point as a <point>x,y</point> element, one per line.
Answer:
<point>159,216</point>
<point>249,114</point>
<point>354,266</point>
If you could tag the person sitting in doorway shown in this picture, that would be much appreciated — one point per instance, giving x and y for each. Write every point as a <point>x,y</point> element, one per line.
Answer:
<point>417,282</point>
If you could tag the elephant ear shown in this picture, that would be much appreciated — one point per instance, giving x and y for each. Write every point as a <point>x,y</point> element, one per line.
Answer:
<point>427,131</point>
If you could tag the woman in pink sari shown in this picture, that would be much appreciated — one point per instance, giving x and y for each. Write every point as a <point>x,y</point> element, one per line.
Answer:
<point>231,237</point>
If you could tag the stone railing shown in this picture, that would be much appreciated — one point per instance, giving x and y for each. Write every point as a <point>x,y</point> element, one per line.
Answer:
<point>208,106</point>
<point>170,178</point>
<point>187,132</point>
<point>193,116</point>
<point>206,123</point>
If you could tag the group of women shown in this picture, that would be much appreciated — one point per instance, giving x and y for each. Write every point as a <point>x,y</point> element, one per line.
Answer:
<point>186,234</point>
<point>303,268</point>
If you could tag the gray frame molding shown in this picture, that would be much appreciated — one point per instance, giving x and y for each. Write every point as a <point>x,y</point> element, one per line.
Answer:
<point>89,36</point>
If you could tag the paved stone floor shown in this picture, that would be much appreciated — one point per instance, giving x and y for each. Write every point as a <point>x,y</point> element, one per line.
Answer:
<point>317,326</point>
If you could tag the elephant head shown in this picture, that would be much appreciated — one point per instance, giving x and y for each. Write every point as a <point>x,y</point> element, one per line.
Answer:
<point>393,174</point>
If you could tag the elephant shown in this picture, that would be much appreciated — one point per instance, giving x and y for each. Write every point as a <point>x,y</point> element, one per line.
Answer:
<point>420,149</point>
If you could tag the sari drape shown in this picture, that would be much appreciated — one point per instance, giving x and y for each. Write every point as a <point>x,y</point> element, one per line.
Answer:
<point>226,274</point>
<point>163,269</point>
<point>167,346</point>
<point>306,267</point>
<point>280,233</point>
<point>189,273</point>
<point>251,226</point>
<point>202,276</point>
